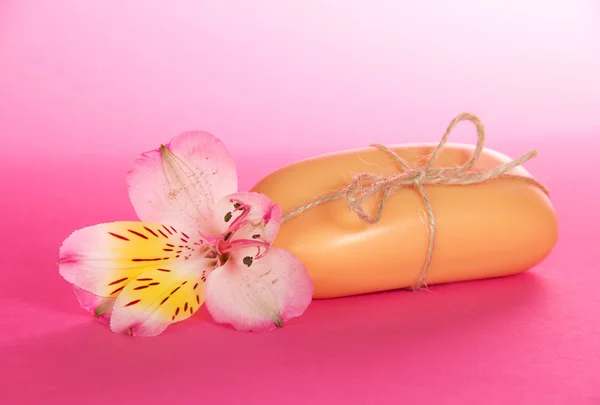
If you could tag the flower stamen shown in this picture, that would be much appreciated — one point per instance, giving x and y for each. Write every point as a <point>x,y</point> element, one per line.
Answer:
<point>262,246</point>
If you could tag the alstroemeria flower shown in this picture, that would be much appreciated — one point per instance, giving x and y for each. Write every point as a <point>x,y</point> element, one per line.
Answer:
<point>200,241</point>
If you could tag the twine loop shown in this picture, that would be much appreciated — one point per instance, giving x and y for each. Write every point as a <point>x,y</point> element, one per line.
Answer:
<point>366,185</point>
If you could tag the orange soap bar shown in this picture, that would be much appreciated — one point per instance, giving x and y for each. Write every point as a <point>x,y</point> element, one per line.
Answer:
<point>498,228</point>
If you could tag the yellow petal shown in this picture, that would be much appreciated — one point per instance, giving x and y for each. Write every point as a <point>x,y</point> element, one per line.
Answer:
<point>103,259</point>
<point>156,299</point>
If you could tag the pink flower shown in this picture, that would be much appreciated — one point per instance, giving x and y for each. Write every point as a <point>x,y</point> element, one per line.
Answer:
<point>200,241</point>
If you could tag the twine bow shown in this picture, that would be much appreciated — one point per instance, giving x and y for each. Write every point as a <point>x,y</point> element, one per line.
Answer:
<point>365,185</point>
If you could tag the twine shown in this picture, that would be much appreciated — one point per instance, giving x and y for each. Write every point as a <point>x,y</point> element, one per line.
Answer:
<point>366,185</point>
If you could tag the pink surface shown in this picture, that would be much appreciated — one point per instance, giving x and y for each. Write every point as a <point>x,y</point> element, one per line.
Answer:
<point>86,86</point>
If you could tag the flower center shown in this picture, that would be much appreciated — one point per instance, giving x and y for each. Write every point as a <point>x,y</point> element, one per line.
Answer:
<point>237,237</point>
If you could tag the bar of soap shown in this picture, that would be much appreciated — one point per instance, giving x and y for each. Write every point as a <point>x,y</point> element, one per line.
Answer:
<point>498,228</point>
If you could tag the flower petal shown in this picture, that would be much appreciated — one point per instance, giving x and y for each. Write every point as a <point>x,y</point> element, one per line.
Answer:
<point>261,296</point>
<point>99,306</point>
<point>260,218</point>
<point>180,182</point>
<point>156,299</point>
<point>103,259</point>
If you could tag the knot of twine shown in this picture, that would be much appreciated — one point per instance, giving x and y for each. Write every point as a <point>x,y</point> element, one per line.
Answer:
<point>365,185</point>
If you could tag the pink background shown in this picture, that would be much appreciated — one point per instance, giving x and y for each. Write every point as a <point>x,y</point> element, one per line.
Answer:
<point>86,86</point>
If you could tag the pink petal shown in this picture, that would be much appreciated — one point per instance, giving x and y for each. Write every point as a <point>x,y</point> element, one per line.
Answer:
<point>259,297</point>
<point>263,217</point>
<point>180,182</point>
<point>100,307</point>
